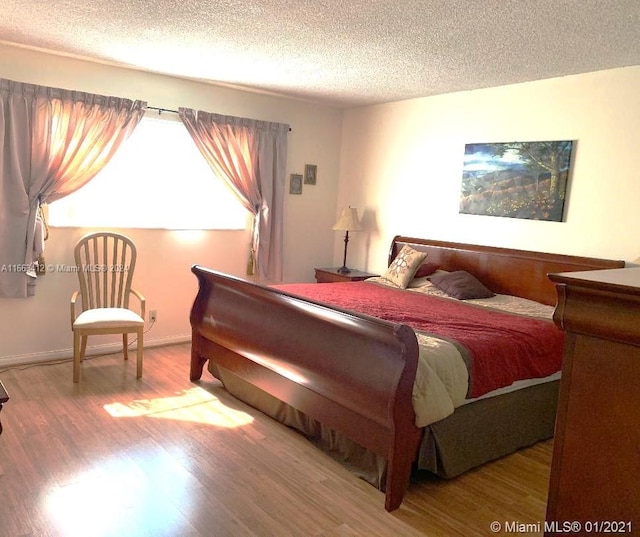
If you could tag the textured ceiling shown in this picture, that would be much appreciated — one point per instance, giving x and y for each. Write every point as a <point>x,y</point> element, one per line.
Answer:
<point>340,52</point>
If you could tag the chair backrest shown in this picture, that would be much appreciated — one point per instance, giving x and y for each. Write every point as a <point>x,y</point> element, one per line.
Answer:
<point>105,262</point>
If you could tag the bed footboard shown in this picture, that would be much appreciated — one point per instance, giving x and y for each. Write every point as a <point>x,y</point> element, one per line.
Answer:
<point>351,372</point>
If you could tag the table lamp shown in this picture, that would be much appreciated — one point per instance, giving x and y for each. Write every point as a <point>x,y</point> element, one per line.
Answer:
<point>348,221</point>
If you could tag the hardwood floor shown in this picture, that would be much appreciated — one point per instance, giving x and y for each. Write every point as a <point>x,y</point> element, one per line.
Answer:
<point>162,456</point>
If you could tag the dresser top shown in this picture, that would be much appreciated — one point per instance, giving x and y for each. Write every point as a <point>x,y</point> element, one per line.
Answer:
<point>622,280</point>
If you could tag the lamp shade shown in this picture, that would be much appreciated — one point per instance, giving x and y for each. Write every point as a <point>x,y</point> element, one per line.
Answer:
<point>348,220</point>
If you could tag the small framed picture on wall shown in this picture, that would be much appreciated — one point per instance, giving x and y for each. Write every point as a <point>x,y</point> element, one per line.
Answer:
<point>310,174</point>
<point>295,183</point>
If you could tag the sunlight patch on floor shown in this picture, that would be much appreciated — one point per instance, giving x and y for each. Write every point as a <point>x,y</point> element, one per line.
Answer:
<point>195,405</point>
<point>98,503</point>
<point>118,498</point>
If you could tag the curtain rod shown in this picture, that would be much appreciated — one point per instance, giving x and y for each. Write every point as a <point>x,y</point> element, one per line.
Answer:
<point>160,110</point>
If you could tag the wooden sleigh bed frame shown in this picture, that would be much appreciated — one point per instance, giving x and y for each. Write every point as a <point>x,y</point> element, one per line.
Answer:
<point>352,373</point>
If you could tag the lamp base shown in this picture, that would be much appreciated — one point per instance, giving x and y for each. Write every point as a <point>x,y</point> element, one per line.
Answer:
<point>344,270</point>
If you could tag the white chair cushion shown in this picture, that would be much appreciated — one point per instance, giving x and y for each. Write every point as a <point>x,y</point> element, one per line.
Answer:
<point>108,318</point>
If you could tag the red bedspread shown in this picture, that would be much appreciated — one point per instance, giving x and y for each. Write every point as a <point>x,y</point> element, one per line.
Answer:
<point>502,347</point>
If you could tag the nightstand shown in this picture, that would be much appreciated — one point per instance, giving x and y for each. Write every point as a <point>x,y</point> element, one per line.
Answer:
<point>331,275</point>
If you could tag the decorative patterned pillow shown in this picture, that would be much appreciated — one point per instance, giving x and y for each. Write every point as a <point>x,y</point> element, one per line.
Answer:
<point>404,266</point>
<point>460,284</point>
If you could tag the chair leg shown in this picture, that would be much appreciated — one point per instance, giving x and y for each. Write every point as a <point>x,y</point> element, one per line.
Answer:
<point>76,357</point>
<point>125,346</point>
<point>139,349</point>
<point>83,347</point>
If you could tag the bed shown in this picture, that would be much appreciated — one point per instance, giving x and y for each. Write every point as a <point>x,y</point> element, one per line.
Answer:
<point>346,378</point>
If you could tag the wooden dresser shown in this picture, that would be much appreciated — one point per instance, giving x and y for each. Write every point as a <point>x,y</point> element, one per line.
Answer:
<point>4,397</point>
<point>595,471</point>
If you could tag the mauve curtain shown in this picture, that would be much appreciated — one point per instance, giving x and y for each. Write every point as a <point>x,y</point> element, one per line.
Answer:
<point>251,156</point>
<point>53,142</point>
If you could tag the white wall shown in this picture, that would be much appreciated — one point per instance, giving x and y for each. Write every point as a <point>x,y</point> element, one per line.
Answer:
<point>39,328</point>
<point>401,166</point>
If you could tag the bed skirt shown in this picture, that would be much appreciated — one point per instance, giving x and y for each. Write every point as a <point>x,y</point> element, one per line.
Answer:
<point>474,434</point>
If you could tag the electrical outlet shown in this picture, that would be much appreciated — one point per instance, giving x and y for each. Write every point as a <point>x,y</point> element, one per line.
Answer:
<point>153,316</point>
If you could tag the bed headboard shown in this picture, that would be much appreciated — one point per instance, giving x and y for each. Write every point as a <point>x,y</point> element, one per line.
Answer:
<point>504,270</point>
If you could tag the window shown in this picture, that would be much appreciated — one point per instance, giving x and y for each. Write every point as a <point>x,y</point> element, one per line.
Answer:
<point>157,179</point>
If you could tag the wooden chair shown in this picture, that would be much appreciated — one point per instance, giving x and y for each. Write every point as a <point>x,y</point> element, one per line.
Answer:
<point>105,263</point>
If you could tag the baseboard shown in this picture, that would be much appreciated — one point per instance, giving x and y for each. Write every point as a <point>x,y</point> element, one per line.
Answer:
<point>92,350</point>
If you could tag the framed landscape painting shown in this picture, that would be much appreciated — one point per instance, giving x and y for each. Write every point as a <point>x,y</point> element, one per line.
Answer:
<point>516,179</point>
